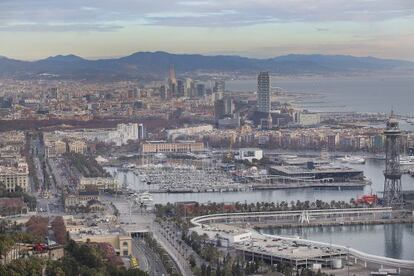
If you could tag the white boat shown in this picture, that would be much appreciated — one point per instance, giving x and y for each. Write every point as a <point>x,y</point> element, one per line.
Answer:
<point>160,155</point>
<point>379,156</point>
<point>289,156</point>
<point>407,161</point>
<point>410,121</point>
<point>352,159</point>
<point>145,198</point>
<point>129,166</point>
<point>201,156</point>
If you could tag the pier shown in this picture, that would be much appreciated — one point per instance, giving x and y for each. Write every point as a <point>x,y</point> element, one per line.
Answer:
<point>300,252</point>
<point>309,217</point>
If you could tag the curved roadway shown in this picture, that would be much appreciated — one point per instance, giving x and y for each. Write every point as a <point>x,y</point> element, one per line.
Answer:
<point>406,264</point>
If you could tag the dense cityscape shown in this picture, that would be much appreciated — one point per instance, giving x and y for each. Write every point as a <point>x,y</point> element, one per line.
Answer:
<point>207,165</point>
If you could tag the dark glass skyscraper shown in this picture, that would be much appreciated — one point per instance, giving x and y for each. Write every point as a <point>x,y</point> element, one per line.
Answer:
<point>263,92</point>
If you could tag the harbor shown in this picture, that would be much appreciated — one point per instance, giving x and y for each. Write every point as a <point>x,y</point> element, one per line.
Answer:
<point>373,170</point>
<point>174,175</point>
<point>289,244</point>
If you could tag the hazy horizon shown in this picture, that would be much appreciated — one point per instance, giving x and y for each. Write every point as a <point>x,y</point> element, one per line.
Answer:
<point>266,28</point>
<point>190,53</point>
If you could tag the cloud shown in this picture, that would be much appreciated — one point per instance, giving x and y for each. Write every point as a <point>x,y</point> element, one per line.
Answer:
<point>60,28</point>
<point>49,14</point>
<point>322,29</point>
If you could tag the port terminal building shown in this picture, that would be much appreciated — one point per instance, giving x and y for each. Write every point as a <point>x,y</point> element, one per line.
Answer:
<point>328,173</point>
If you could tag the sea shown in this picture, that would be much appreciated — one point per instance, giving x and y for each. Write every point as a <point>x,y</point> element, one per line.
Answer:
<point>373,94</point>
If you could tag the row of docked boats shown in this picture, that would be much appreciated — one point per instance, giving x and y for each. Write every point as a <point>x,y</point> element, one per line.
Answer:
<point>404,160</point>
<point>407,161</point>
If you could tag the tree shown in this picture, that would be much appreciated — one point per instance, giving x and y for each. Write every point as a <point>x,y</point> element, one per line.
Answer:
<point>37,226</point>
<point>59,230</point>
<point>192,261</point>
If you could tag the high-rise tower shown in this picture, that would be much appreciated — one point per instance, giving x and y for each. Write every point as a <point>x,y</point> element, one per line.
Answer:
<point>392,185</point>
<point>172,82</point>
<point>263,92</point>
<point>180,88</point>
<point>219,86</point>
<point>171,74</point>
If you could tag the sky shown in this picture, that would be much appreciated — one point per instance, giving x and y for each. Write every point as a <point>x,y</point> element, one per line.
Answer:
<point>35,29</point>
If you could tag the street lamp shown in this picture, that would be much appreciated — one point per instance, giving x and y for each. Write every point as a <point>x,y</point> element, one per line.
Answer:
<point>347,258</point>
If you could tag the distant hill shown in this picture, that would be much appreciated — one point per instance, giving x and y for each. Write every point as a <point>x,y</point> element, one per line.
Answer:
<point>153,65</point>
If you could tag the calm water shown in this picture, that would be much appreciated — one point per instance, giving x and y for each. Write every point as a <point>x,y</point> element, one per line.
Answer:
<point>372,169</point>
<point>394,240</point>
<point>359,94</point>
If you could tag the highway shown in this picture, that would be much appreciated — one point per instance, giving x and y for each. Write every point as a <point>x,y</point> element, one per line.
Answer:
<point>169,244</point>
<point>148,260</point>
<point>173,233</point>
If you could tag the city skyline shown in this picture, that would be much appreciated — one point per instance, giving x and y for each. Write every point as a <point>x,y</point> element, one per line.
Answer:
<point>95,29</point>
<point>206,137</point>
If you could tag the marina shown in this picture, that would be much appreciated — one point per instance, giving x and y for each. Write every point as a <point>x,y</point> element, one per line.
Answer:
<point>171,175</point>
<point>373,170</point>
<point>187,179</point>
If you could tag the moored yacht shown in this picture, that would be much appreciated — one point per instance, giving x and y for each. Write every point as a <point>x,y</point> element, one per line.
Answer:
<point>407,161</point>
<point>352,159</point>
<point>145,198</point>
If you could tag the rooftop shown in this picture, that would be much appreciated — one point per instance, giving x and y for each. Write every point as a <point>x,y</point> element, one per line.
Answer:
<point>288,249</point>
<point>320,169</point>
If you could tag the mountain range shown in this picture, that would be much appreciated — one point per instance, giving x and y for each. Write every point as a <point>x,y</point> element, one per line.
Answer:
<point>154,65</point>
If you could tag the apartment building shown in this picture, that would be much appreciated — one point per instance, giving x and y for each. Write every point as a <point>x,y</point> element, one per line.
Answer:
<point>164,147</point>
<point>13,176</point>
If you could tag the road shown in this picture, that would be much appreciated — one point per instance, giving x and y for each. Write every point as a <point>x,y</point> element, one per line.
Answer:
<point>173,248</point>
<point>148,260</point>
<point>139,253</point>
<point>130,218</point>
<point>182,247</point>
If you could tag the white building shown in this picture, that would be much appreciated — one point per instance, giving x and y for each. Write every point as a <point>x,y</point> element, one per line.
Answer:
<point>308,119</point>
<point>101,183</point>
<point>171,133</point>
<point>227,234</point>
<point>77,146</point>
<point>120,136</point>
<point>11,177</point>
<point>126,132</point>
<point>249,154</point>
<point>54,148</point>
<point>141,132</point>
